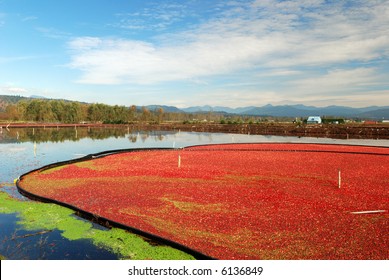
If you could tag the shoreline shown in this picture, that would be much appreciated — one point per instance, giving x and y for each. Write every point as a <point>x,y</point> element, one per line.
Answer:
<point>336,131</point>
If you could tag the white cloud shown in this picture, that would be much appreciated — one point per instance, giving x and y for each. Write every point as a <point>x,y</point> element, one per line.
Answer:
<point>280,72</point>
<point>338,80</point>
<point>29,18</point>
<point>52,33</point>
<point>111,61</point>
<point>357,87</point>
<point>296,41</point>
<point>12,59</point>
<point>85,43</point>
<point>355,99</point>
<point>13,90</point>
<point>157,17</point>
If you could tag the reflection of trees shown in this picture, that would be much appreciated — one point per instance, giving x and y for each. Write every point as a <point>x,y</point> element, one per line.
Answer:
<point>156,135</point>
<point>144,136</point>
<point>133,138</point>
<point>160,137</point>
<point>4,138</point>
<point>62,134</point>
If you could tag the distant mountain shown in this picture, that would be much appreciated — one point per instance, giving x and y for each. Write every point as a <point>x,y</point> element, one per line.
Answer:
<point>379,114</point>
<point>278,111</point>
<point>198,109</point>
<point>303,107</point>
<point>165,108</point>
<point>37,97</point>
<point>299,110</point>
<point>5,100</point>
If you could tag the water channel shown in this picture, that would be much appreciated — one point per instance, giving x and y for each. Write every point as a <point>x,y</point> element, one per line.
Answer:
<point>32,230</point>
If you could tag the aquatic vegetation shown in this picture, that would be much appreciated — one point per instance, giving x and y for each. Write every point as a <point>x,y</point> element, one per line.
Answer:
<point>36,216</point>
<point>238,201</point>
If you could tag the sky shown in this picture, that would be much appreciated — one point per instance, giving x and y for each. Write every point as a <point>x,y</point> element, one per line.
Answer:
<point>197,52</point>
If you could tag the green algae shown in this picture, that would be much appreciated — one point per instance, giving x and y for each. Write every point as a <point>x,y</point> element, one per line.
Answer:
<point>131,246</point>
<point>46,216</point>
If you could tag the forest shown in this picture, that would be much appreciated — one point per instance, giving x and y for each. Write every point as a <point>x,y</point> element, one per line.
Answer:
<point>22,109</point>
<point>63,111</point>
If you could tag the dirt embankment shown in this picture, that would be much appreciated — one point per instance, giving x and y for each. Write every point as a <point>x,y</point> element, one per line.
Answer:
<point>329,131</point>
<point>344,131</point>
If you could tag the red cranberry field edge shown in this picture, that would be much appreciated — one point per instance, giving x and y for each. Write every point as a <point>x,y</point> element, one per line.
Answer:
<point>237,201</point>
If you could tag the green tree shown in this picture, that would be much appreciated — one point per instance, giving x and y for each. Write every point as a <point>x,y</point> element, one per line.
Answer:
<point>145,114</point>
<point>12,112</point>
<point>72,112</point>
<point>160,114</point>
<point>39,110</point>
<point>132,113</point>
<point>58,110</point>
<point>95,112</point>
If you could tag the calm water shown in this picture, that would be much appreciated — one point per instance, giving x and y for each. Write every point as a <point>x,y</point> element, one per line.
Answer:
<point>22,150</point>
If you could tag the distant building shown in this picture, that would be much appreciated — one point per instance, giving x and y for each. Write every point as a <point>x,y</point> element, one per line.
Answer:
<point>370,122</point>
<point>314,120</point>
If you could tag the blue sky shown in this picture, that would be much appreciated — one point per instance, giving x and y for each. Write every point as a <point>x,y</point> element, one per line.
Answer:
<point>197,52</point>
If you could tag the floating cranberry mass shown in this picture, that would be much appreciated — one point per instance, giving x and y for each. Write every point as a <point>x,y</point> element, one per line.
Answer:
<point>238,201</point>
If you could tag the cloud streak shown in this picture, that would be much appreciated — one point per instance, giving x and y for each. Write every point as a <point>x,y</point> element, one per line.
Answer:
<point>157,17</point>
<point>2,19</point>
<point>13,90</point>
<point>12,59</point>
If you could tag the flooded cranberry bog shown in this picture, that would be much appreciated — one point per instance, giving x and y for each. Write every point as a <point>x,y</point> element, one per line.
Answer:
<point>233,201</point>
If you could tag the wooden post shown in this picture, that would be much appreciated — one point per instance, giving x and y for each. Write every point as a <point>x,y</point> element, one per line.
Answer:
<point>179,161</point>
<point>339,178</point>
<point>369,212</point>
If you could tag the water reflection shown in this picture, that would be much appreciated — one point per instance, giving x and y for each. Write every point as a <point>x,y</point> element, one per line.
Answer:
<point>56,135</point>
<point>139,137</point>
<point>24,149</point>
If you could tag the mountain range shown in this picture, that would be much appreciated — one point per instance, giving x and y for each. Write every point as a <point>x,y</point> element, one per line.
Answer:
<point>299,110</point>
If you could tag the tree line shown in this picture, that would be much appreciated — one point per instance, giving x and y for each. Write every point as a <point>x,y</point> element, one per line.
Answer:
<point>62,111</point>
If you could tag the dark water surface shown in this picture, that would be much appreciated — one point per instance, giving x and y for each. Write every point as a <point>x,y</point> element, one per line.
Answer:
<point>19,244</point>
